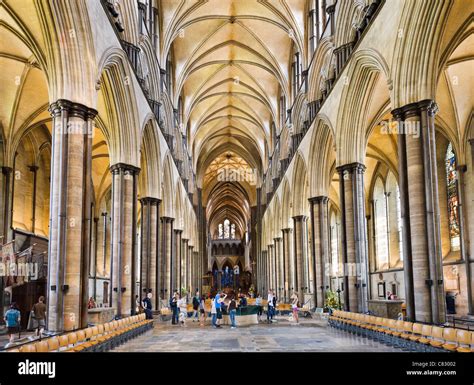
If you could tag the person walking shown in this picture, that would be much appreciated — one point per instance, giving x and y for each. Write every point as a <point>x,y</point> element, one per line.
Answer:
<point>202,310</point>
<point>196,302</point>
<point>294,305</point>
<point>174,308</point>
<point>39,315</point>
<point>12,319</point>
<point>258,303</point>
<point>232,309</point>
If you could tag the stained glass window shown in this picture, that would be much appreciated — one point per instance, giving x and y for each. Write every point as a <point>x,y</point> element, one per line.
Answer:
<point>232,231</point>
<point>381,225</point>
<point>453,202</point>
<point>221,231</point>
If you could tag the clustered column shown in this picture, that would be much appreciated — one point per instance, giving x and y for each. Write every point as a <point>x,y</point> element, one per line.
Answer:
<point>123,243</point>
<point>279,268</point>
<point>150,268</point>
<point>70,215</point>
<point>264,277</point>
<point>354,237</point>
<point>289,270</point>
<point>419,203</point>
<point>320,247</point>
<point>176,265</point>
<point>166,256</point>
<point>300,229</point>
<point>184,264</point>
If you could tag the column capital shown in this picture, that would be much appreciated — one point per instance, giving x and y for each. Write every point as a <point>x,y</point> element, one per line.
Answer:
<point>117,167</point>
<point>287,230</point>
<point>351,167</point>
<point>270,246</point>
<point>152,201</point>
<point>185,240</point>
<point>72,108</point>
<point>178,231</point>
<point>414,109</point>
<point>167,219</point>
<point>300,218</point>
<point>33,168</point>
<point>461,168</point>
<point>277,239</point>
<point>318,199</point>
<point>7,170</point>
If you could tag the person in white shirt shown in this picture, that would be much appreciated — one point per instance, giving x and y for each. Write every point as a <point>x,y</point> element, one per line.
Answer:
<point>270,306</point>
<point>183,309</point>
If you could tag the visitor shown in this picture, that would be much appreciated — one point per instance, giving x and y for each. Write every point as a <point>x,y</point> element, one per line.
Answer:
<point>196,301</point>
<point>219,299</point>
<point>243,301</point>
<point>147,306</point>
<point>274,308</point>
<point>12,319</point>
<point>214,312</point>
<point>174,308</point>
<point>183,309</point>
<point>202,310</point>
<point>91,303</point>
<point>295,305</point>
<point>270,306</point>
<point>138,305</point>
<point>39,316</point>
<point>258,303</point>
<point>232,312</point>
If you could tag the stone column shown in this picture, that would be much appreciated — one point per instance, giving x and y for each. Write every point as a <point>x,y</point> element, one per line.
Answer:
<point>279,271</point>
<point>70,215</point>
<point>271,266</point>
<point>299,236</point>
<point>192,271</point>
<point>263,285</point>
<point>288,268</point>
<point>7,174</point>
<point>320,247</point>
<point>123,243</point>
<point>198,274</point>
<point>34,170</point>
<point>166,256</point>
<point>420,212</point>
<point>354,235</point>
<point>150,268</point>
<point>185,263</point>
<point>176,261</point>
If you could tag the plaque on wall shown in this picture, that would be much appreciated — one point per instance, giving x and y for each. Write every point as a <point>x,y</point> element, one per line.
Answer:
<point>381,289</point>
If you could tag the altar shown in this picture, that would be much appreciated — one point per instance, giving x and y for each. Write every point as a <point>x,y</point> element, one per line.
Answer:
<point>385,308</point>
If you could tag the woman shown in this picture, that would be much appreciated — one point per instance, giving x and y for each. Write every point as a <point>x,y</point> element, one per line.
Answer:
<point>232,312</point>
<point>258,303</point>
<point>202,310</point>
<point>183,309</point>
<point>294,305</point>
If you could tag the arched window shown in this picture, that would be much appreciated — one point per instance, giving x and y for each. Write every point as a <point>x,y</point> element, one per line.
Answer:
<point>226,230</point>
<point>394,220</point>
<point>453,198</point>
<point>381,225</point>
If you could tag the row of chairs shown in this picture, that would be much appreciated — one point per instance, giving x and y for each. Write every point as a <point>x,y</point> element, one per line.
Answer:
<point>99,338</point>
<point>403,334</point>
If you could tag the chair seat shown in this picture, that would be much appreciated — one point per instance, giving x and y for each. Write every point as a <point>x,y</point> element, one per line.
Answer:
<point>424,340</point>
<point>405,336</point>
<point>450,347</point>
<point>464,349</point>
<point>414,338</point>
<point>436,343</point>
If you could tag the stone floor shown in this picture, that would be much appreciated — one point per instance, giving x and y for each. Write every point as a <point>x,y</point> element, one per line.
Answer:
<point>308,336</point>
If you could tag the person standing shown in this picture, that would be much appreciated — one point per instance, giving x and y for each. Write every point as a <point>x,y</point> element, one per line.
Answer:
<point>39,315</point>
<point>214,311</point>
<point>274,309</point>
<point>174,308</point>
<point>183,309</point>
<point>258,303</point>
<point>294,305</point>
<point>196,302</point>
<point>270,306</point>
<point>232,312</point>
<point>219,300</point>
<point>202,310</point>
<point>12,319</point>
<point>147,306</point>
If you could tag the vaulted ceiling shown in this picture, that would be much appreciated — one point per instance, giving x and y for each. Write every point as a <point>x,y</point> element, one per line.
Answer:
<point>231,61</point>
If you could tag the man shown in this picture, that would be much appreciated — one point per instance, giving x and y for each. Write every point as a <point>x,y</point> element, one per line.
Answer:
<point>39,315</point>
<point>147,306</point>
<point>196,302</point>
<point>219,299</point>
<point>12,319</point>
<point>174,308</point>
<point>270,306</point>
